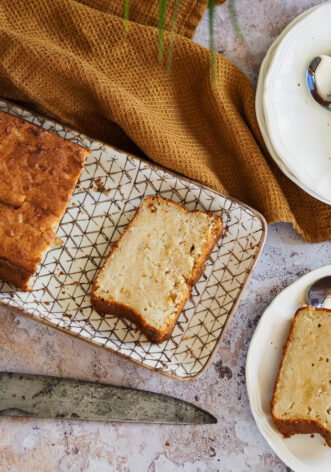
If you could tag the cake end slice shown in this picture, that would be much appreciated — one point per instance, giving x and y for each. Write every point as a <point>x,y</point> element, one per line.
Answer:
<point>38,174</point>
<point>301,401</point>
<point>150,271</point>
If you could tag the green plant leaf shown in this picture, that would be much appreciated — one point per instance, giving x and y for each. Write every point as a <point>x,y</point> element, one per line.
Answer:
<point>173,33</point>
<point>211,11</point>
<point>126,16</point>
<point>234,20</point>
<point>162,15</point>
<point>161,23</point>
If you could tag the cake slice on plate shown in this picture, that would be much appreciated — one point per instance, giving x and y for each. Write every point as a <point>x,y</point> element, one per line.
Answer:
<point>149,273</point>
<point>301,401</point>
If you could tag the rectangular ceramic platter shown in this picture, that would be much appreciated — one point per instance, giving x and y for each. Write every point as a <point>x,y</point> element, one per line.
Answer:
<point>110,189</point>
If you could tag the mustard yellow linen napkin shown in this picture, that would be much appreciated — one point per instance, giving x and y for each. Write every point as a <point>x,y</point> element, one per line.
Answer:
<point>69,59</point>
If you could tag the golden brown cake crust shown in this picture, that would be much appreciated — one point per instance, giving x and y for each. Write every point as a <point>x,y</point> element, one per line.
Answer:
<point>38,173</point>
<point>25,233</point>
<point>156,336</point>
<point>15,274</point>
<point>300,426</point>
<point>38,164</point>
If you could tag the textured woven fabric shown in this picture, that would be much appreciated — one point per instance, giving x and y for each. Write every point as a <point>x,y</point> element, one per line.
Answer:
<point>69,59</point>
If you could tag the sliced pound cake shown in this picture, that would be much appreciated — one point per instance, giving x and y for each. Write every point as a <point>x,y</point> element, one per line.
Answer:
<point>38,173</point>
<point>301,401</point>
<point>148,275</point>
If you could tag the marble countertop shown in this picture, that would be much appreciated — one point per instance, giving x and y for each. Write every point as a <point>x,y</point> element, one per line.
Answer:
<point>245,29</point>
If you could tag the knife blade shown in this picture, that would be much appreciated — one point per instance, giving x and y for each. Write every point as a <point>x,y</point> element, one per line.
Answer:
<point>54,397</point>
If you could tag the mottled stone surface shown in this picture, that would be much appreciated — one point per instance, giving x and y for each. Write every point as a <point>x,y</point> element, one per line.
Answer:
<point>234,444</point>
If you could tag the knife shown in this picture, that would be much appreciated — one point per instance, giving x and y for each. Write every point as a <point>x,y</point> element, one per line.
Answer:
<point>53,397</point>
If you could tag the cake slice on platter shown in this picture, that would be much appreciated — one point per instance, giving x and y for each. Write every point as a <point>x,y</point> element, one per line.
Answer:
<point>149,273</point>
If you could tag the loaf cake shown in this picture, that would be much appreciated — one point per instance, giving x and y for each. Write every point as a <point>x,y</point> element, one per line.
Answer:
<point>38,173</point>
<point>301,401</point>
<point>149,273</point>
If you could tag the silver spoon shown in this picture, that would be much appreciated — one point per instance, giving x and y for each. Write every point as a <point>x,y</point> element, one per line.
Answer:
<point>318,78</point>
<point>319,293</point>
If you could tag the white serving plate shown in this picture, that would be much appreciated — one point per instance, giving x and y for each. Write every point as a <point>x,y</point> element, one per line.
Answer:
<point>93,219</point>
<point>299,128</point>
<point>260,111</point>
<point>300,452</point>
